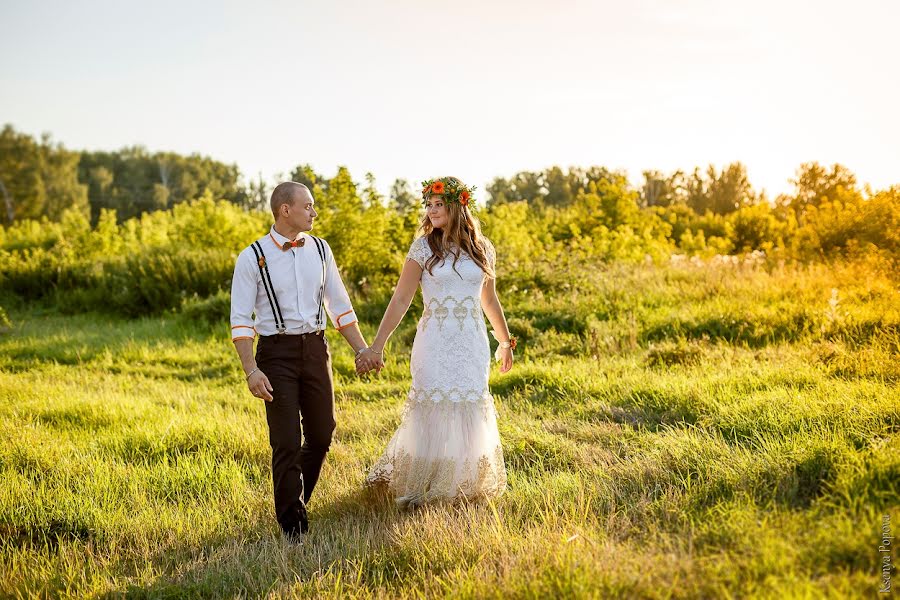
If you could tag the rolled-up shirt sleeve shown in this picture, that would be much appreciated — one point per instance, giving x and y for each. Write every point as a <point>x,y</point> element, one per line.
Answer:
<point>243,297</point>
<point>337,301</point>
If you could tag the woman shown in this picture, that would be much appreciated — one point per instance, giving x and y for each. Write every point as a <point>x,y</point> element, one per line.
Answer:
<point>447,446</point>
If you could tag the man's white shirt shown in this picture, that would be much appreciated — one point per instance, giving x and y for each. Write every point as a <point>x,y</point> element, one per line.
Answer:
<point>297,278</point>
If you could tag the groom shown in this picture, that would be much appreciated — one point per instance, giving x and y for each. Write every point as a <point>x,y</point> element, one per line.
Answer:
<point>284,284</point>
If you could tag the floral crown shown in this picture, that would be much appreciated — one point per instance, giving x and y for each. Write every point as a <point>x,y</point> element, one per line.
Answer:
<point>451,188</point>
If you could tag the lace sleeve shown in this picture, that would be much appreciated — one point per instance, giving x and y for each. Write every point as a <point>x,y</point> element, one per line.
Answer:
<point>491,253</point>
<point>419,252</point>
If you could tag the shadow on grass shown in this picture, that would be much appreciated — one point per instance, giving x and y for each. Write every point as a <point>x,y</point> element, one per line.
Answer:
<point>651,409</point>
<point>48,537</point>
<point>752,331</point>
<point>352,532</point>
<point>75,417</point>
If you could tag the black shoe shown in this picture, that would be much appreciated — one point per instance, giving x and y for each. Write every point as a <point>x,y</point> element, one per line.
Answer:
<point>293,536</point>
<point>296,519</point>
<point>303,517</point>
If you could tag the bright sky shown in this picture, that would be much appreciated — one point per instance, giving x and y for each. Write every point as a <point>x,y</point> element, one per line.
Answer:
<point>474,88</point>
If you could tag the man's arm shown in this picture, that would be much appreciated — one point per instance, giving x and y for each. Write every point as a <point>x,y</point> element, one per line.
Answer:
<point>353,336</point>
<point>257,382</point>
<point>243,303</point>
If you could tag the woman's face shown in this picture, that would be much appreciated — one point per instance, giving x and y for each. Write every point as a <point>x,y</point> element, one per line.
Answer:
<point>436,211</point>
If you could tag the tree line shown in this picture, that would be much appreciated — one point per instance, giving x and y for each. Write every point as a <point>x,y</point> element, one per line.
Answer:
<point>40,178</point>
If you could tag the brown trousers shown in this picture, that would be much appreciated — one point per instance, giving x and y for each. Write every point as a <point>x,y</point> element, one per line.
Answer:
<point>299,369</point>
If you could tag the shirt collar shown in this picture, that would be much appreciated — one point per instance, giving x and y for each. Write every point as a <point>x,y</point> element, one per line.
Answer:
<point>280,239</point>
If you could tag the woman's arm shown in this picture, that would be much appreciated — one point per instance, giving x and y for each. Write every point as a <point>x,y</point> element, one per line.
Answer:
<point>490,303</point>
<point>399,304</point>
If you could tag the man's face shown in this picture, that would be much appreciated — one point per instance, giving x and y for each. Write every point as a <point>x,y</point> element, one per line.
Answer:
<point>302,213</point>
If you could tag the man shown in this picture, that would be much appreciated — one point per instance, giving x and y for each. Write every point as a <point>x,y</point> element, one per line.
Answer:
<point>283,285</point>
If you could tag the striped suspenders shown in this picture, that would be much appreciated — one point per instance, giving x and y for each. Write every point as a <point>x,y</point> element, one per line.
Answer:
<point>270,289</point>
<point>320,314</point>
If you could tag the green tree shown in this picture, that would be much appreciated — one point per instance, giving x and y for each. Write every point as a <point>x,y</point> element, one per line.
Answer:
<point>132,181</point>
<point>21,172</point>
<point>60,176</point>
<point>527,186</point>
<point>370,193</point>
<point>40,178</point>
<point>719,192</point>
<point>662,190</point>
<point>558,187</point>
<point>258,194</point>
<point>402,198</point>
<point>500,192</point>
<point>306,175</point>
<point>730,189</point>
<point>816,184</point>
<point>756,227</point>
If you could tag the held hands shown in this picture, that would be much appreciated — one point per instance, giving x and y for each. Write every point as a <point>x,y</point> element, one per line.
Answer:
<point>368,359</point>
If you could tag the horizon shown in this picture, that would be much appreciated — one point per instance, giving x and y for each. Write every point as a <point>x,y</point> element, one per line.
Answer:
<point>384,186</point>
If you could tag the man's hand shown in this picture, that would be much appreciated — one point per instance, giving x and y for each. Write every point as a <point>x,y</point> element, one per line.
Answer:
<point>368,359</point>
<point>259,386</point>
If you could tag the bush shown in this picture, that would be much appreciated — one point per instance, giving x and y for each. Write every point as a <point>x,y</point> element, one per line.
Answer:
<point>162,259</point>
<point>5,324</point>
<point>211,312</point>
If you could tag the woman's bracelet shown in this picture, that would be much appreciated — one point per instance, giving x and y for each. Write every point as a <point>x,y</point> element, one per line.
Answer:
<point>361,350</point>
<point>251,373</point>
<point>509,344</point>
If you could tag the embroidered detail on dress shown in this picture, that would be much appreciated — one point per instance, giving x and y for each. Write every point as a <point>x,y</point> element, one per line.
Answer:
<point>431,402</point>
<point>453,394</point>
<point>440,313</point>
<point>416,480</point>
<point>462,310</point>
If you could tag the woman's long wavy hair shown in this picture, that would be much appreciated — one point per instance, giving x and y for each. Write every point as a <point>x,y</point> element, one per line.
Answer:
<point>461,234</point>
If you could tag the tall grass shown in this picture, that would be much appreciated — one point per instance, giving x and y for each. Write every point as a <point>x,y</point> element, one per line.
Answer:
<point>693,430</point>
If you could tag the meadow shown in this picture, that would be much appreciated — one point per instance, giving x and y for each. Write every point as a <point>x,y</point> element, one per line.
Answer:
<point>681,428</point>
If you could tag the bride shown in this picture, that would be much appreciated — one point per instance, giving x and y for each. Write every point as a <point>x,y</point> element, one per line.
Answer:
<point>447,446</point>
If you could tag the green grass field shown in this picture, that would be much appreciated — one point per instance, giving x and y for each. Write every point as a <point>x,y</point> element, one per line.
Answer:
<point>670,432</point>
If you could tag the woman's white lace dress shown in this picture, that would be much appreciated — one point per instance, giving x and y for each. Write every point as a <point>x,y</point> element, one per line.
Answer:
<point>447,446</point>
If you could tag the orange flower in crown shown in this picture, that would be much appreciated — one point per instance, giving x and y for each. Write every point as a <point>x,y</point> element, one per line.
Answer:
<point>451,188</point>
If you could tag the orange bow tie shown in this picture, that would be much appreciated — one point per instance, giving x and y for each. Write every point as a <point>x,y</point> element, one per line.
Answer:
<point>293,244</point>
<point>288,245</point>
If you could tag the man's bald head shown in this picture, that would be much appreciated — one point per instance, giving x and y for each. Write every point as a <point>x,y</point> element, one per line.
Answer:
<point>286,192</point>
